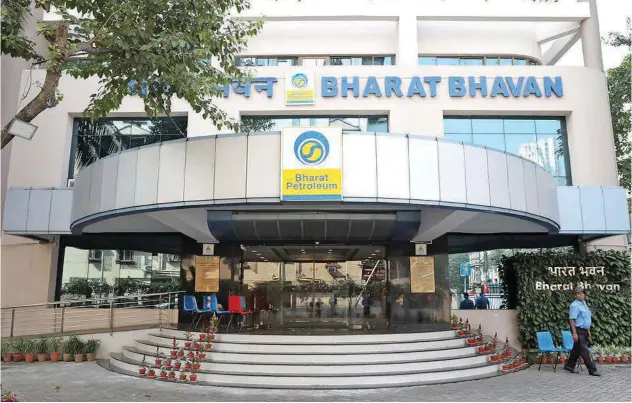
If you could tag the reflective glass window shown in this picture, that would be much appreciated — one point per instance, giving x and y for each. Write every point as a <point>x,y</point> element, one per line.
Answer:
<point>490,140</point>
<point>462,137</point>
<point>519,126</point>
<point>550,126</point>
<point>457,125</point>
<point>520,62</point>
<point>254,124</point>
<point>523,145</point>
<point>505,61</point>
<point>471,61</point>
<point>95,140</point>
<point>447,61</point>
<point>427,61</point>
<point>491,61</point>
<point>487,126</point>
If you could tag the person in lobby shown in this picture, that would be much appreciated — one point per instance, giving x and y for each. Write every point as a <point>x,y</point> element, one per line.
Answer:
<point>580,319</point>
<point>467,303</point>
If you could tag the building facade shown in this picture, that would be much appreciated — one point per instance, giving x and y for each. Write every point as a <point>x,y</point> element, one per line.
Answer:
<point>440,123</point>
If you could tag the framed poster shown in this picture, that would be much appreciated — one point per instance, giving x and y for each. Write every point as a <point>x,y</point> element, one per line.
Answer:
<point>207,274</point>
<point>422,278</point>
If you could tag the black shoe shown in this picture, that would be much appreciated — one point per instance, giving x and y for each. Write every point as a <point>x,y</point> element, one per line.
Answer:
<point>571,370</point>
<point>594,373</point>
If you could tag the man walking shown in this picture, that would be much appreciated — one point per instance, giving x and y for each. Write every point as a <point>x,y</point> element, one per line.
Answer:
<point>580,318</point>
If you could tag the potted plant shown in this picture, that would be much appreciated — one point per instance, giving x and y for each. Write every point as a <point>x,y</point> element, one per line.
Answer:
<point>55,347</point>
<point>19,346</point>
<point>8,396</point>
<point>158,361</point>
<point>91,348</point>
<point>42,346</point>
<point>607,352</point>
<point>625,355</point>
<point>7,350</point>
<point>181,353</point>
<point>177,365</point>
<point>163,373</point>
<point>172,375</point>
<point>151,374</point>
<point>187,365</point>
<point>30,350</point>
<point>193,376</point>
<point>187,338</point>
<point>75,347</point>
<point>183,376</point>
<point>142,370</point>
<point>615,354</point>
<point>174,349</point>
<point>454,322</point>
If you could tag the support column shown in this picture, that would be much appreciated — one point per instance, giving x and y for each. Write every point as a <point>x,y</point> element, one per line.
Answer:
<point>591,39</point>
<point>407,48</point>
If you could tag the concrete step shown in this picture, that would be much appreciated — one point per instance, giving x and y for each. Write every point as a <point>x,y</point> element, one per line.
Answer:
<point>323,370</point>
<point>325,339</point>
<point>274,380</point>
<point>148,348</point>
<point>320,347</point>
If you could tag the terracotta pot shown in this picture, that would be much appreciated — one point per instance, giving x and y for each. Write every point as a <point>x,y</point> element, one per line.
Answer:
<point>193,378</point>
<point>7,357</point>
<point>79,357</point>
<point>624,359</point>
<point>41,357</point>
<point>202,336</point>
<point>615,360</point>
<point>173,353</point>
<point>191,355</point>
<point>54,357</point>
<point>151,375</point>
<point>208,346</point>
<point>158,362</point>
<point>163,375</point>
<point>180,354</point>
<point>183,377</point>
<point>172,377</point>
<point>178,365</point>
<point>187,367</point>
<point>196,367</point>
<point>187,344</point>
<point>142,371</point>
<point>67,357</point>
<point>600,360</point>
<point>562,360</point>
<point>203,356</point>
<point>196,345</point>
<point>608,359</point>
<point>29,357</point>
<point>17,357</point>
<point>89,356</point>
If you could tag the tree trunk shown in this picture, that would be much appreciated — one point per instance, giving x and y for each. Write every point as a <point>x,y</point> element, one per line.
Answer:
<point>38,104</point>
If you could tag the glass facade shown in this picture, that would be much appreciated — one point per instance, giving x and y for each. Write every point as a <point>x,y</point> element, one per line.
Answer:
<point>541,140</point>
<point>378,124</point>
<point>92,141</point>
<point>90,274</point>
<point>369,60</point>
<point>475,61</point>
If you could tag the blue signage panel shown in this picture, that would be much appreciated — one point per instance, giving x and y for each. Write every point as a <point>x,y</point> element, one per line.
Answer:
<point>465,269</point>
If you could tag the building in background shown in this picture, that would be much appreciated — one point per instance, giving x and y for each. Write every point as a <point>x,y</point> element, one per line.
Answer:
<point>451,124</point>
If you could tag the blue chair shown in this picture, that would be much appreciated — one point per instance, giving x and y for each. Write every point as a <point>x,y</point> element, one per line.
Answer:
<point>546,347</point>
<point>568,342</point>
<point>190,305</point>
<point>211,302</point>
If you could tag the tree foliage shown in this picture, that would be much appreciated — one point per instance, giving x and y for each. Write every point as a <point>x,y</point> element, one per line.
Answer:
<point>541,310</point>
<point>159,50</point>
<point>619,91</point>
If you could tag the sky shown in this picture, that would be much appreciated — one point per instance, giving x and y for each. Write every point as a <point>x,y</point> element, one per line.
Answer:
<point>612,15</point>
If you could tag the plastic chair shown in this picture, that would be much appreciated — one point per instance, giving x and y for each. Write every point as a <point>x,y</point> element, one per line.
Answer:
<point>567,345</point>
<point>190,305</point>
<point>546,347</point>
<point>236,305</point>
<point>211,302</point>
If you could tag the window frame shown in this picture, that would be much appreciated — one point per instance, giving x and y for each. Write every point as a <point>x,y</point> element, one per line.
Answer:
<point>530,61</point>
<point>320,116</point>
<point>327,59</point>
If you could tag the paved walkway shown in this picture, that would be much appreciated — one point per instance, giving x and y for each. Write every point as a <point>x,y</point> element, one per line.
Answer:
<point>90,382</point>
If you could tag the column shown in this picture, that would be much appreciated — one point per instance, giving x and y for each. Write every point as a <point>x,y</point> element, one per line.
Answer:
<point>407,48</point>
<point>591,40</point>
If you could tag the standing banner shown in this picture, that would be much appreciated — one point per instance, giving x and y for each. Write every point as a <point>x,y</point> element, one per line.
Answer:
<point>311,164</point>
<point>207,274</point>
<point>299,88</point>
<point>422,277</point>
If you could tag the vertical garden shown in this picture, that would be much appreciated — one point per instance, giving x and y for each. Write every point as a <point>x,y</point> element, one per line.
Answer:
<point>540,286</point>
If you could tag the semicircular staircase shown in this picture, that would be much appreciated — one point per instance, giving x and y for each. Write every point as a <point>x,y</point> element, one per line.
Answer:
<point>322,362</point>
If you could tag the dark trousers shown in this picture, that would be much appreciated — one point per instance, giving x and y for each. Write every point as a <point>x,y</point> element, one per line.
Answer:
<point>580,348</point>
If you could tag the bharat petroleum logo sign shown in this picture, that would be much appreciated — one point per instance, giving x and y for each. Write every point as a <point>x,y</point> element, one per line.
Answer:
<point>299,80</point>
<point>311,148</point>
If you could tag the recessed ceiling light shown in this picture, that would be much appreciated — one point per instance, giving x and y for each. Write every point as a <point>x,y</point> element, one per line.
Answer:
<point>303,251</point>
<point>377,251</point>
<point>262,257</point>
<point>330,250</point>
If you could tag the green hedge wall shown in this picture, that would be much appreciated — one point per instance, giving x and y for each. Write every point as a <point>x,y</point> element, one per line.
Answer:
<point>540,310</point>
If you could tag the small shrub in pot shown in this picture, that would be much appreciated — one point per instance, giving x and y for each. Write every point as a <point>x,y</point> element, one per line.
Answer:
<point>67,355</point>
<point>76,347</point>
<point>91,348</point>
<point>30,350</point>
<point>7,350</point>
<point>19,346</point>
<point>42,349</point>
<point>55,346</point>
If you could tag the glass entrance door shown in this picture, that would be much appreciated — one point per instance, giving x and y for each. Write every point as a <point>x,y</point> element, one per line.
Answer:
<point>317,287</point>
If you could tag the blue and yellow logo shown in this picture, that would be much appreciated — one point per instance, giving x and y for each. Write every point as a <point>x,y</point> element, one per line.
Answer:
<point>311,148</point>
<point>299,80</point>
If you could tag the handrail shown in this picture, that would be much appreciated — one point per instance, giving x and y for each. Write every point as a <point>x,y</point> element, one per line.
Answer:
<point>93,315</point>
<point>76,301</point>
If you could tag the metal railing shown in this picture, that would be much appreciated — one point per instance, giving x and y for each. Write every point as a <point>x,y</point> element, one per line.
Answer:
<point>97,315</point>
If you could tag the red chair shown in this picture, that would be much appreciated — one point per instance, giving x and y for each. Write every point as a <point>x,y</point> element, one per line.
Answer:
<point>237,306</point>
